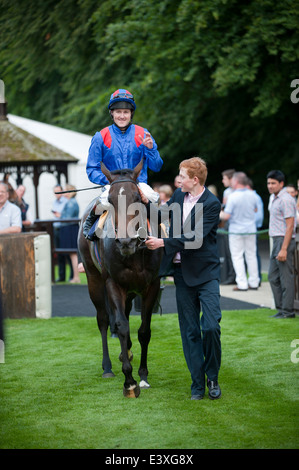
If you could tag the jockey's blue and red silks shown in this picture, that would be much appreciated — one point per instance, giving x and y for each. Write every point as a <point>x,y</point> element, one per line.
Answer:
<point>118,151</point>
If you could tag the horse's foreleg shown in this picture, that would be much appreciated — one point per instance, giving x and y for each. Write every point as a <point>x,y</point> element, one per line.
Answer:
<point>106,362</point>
<point>97,294</point>
<point>144,332</point>
<point>117,300</point>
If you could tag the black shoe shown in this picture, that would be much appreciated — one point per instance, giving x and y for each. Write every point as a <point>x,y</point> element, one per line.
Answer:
<point>214,389</point>
<point>196,397</point>
<point>277,315</point>
<point>288,315</point>
<point>59,280</point>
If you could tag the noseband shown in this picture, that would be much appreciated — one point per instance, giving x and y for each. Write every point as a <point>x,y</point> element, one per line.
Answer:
<point>124,180</point>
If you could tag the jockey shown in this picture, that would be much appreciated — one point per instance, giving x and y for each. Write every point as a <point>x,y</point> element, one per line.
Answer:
<point>121,145</point>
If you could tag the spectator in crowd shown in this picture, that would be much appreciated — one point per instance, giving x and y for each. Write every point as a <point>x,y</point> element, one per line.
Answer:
<point>69,231</point>
<point>177,181</point>
<point>282,230</point>
<point>12,192</point>
<point>240,212</point>
<point>293,191</point>
<point>27,218</point>
<point>213,190</point>
<point>10,214</point>
<point>259,219</point>
<point>165,193</point>
<point>228,275</point>
<point>57,208</point>
<point>227,183</point>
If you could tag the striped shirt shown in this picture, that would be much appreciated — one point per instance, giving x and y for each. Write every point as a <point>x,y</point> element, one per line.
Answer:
<point>283,206</point>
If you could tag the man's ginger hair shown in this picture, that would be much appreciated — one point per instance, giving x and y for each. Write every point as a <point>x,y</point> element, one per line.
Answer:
<point>195,166</point>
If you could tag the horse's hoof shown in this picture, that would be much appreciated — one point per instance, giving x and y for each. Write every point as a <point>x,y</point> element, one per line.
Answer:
<point>132,392</point>
<point>107,375</point>
<point>130,356</point>
<point>144,384</point>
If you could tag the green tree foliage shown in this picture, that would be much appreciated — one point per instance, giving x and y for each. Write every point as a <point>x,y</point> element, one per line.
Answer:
<point>210,78</point>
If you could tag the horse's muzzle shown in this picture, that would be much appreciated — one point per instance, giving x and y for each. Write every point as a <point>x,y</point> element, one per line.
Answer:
<point>126,246</point>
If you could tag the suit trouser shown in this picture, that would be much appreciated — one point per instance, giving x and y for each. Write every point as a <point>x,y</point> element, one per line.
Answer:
<point>200,336</point>
<point>281,276</point>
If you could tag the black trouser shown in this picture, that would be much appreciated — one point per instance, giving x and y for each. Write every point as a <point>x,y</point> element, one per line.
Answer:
<point>200,336</point>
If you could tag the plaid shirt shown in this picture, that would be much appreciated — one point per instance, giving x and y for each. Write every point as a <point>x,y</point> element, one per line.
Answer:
<point>282,207</point>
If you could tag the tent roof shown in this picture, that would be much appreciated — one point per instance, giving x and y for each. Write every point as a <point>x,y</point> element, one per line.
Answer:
<point>18,147</point>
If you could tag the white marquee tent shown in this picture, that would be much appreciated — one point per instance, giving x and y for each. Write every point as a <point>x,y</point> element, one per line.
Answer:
<point>73,143</point>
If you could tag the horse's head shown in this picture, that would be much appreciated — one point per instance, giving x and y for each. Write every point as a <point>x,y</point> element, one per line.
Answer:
<point>125,198</point>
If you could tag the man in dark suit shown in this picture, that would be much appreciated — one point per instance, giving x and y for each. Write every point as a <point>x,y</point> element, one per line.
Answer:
<point>191,256</point>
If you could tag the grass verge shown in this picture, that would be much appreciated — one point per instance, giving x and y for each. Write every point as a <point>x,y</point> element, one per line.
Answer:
<point>52,394</point>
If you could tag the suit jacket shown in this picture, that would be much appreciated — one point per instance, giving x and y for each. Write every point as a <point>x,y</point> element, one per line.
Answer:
<point>199,260</point>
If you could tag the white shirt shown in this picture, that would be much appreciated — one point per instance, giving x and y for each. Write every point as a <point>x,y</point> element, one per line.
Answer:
<point>241,205</point>
<point>10,216</point>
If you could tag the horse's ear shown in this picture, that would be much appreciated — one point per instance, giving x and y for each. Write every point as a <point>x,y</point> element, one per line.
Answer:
<point>106,172</point>
<point>137,169</point>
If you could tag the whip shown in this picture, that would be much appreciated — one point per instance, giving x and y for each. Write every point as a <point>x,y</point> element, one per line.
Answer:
<point>77,190</point>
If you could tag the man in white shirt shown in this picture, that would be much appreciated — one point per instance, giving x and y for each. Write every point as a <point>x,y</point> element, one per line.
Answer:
<point>240,210</point>
<point>10,214</point>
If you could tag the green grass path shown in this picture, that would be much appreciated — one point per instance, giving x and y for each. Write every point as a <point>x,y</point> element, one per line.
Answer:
<point>52,394</point>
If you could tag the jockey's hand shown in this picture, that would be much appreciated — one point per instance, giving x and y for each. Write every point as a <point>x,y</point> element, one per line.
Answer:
<point>153,243</point>
<point>144,199</point>
<point>147,141</point>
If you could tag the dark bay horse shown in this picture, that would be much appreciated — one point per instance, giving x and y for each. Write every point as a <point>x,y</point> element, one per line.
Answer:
<point>119,266</point>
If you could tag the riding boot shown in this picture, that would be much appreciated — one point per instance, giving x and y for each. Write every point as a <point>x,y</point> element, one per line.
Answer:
<point>89,221</point>
<point>95,213</point>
